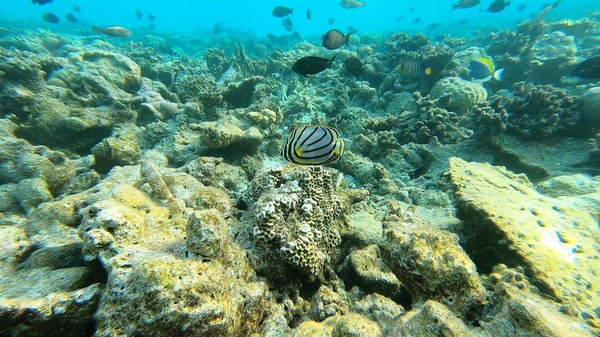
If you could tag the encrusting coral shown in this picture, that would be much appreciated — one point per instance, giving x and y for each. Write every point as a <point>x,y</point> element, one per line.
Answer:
<point>297,215</point>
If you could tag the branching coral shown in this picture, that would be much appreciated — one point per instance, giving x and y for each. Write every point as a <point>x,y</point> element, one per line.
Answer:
<point>432,122</point>
<point>542,111</point>
<point>488,118</point>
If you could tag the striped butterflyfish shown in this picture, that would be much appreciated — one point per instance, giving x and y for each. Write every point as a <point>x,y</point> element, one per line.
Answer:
<point>313,145</point>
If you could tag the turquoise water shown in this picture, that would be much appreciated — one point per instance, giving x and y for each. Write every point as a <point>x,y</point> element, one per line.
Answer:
<point>255,15</point>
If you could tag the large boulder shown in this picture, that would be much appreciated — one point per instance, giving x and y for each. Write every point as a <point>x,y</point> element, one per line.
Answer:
<point>508,221</point>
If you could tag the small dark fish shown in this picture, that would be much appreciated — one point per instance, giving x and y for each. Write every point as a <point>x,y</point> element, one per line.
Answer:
<point>151,17</point>
<point>433,26</point>
<point>422,168</point>
<point>413,69</point>
<point>281,11</point>
<point>310,65</point>
<point>354,66</point>
<point>217,28</point>
<point>41,2</point>
<point>351,29</point>
<point>521,7</point>
<point>113,31</point>
<point>76,8</point>
<point>288,24</point>
<point>296,36</point>
<point>313,145</point>
<point>138,14</point>
<point>151,25</point>
<point>589,68</point>
<point>412,9</point>
<point>308,13</point>
<point>335,39</point>
<point>331,20</point>
<point>417,20</point>
<point>465,4</point>
<point>400,18</point>
<point>49,17</point>
<point>71,18</point>
<point>497,6</point>
<point>463,22</point>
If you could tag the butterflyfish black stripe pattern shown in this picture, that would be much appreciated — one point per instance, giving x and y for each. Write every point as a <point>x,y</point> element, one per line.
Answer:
<point>313,145</point>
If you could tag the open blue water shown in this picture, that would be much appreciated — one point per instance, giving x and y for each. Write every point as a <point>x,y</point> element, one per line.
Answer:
<point>255,15</point>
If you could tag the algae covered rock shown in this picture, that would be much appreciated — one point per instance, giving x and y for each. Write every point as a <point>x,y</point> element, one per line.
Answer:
<point>365,268</point>
<point>432,265</point>
<point>433,319</point>
<point>516,307</point>
<point>171,269</point>
<point>103,75</point>
<point>507,221</point>
<point>120,149</point>
<point>464,94</point>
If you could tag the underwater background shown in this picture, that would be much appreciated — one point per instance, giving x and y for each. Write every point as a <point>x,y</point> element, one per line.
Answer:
<point>300,168</point>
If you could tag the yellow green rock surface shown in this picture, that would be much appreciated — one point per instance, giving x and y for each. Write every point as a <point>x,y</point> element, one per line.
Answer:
<point>555,239</point>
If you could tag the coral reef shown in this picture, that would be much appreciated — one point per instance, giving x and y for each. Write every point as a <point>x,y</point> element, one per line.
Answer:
<point>542,110</point>
<point>488,118</point>
<point>297,215</point>
<point>432,122</point>
<point>463,94</point>
<point>552,57</point>
<point>142,192</point>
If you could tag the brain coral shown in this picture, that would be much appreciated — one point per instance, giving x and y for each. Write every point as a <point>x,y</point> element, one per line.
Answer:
<point>465,94</point>
<point>296,211</point>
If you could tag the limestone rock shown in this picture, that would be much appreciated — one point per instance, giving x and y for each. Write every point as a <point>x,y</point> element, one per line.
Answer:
<point>155,286</point>
<point>206,232</point>
<point>432,265</point>
<point>338,326</point>
<point>569,186</point>
<point>362,229</point>
<point>32,192</point>
<point>433,319</point>
<point>508,221</point>
<point>120,149</point>
<point>515,307</point>
<point>365,268</point>
<point>465,94</point>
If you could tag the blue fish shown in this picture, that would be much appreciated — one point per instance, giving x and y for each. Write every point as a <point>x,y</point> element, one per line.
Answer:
<point>482,69</point>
